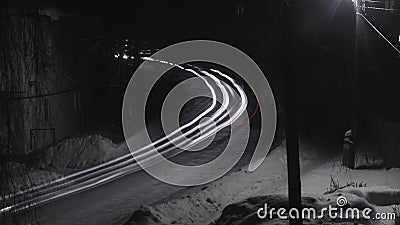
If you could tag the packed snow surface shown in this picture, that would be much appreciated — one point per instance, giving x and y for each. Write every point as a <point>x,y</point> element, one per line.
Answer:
<point>79,153</point>
<point>235,198</point>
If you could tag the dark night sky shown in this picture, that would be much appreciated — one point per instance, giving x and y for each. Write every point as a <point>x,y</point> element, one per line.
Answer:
<point>328,21</point>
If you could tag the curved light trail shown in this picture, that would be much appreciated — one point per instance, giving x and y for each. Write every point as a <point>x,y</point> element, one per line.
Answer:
<point>229,111</point>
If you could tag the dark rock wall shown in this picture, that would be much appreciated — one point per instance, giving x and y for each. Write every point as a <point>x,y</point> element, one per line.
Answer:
<point>32,83</point>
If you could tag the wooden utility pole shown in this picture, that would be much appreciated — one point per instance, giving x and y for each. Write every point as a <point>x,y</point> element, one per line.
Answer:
<point>349,154</point>
<point>292,144</point>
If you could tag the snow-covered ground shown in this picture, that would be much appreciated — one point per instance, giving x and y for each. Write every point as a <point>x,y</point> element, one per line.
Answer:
<point>19,177</point>
<point>64,158</point>
<point>80,153</point>
<point>323,180</point>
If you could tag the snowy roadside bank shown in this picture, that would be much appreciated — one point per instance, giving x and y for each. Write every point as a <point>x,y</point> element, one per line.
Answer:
<point>207,204</point>
<point>20,177</point>
<point>80,153</point>
<point>66,157</point>
<point>238,195</point>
